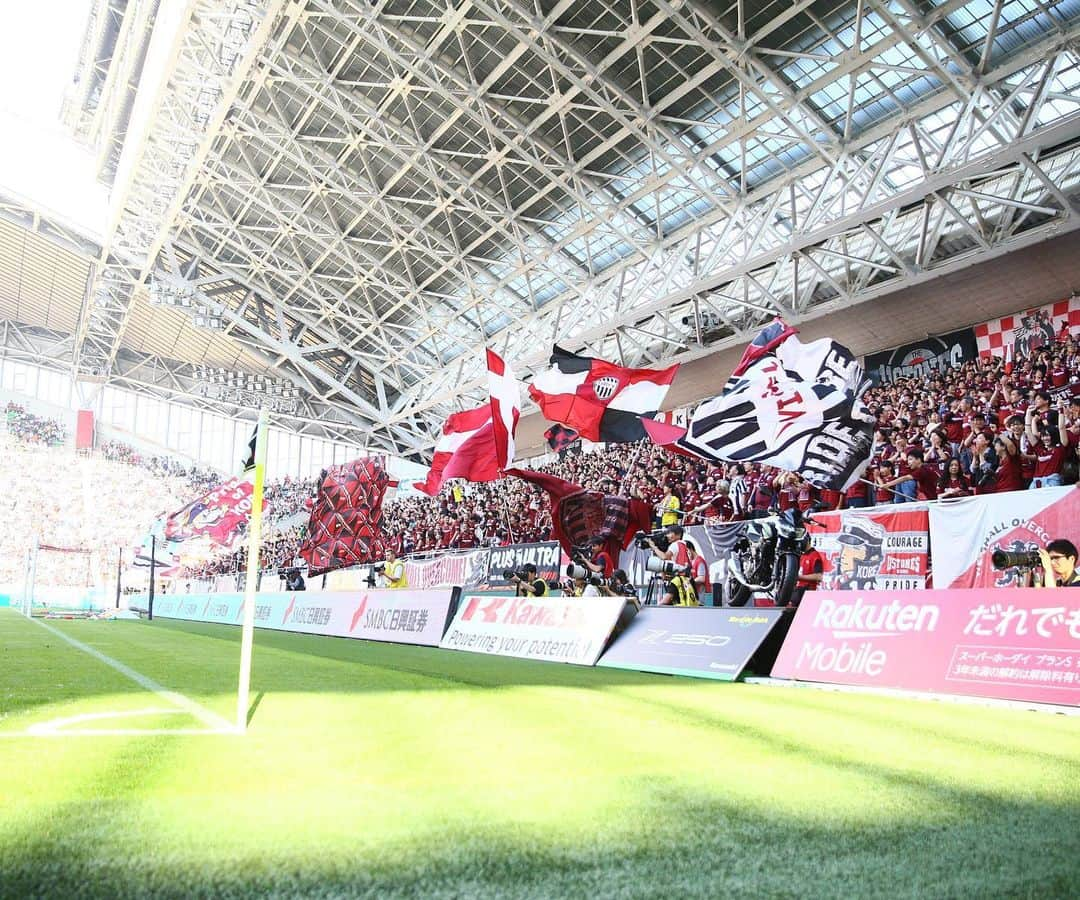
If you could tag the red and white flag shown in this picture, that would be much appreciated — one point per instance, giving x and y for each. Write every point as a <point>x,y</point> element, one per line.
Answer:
<point>504,395</point>
<point>478,444</point>
<point>600,400</point>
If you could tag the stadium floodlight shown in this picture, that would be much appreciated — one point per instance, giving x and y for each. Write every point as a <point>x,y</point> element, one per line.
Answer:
<point>247,389</point>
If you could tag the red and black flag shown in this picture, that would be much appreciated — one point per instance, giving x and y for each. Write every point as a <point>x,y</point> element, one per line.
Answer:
<point>578,516</point>
<point>345,527</point>
<point>602,401</point>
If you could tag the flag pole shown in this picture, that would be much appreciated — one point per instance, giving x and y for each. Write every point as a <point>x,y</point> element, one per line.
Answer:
<point>254,543</point>
<point>633,462</point>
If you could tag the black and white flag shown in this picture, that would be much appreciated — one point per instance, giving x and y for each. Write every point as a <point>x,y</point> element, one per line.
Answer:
<point>792,405</point>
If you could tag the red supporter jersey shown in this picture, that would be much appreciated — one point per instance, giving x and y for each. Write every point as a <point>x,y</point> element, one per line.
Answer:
<point>1048,461</point>
<point>700,569</point>
<point>811,562</point>
<point>1008,476</point>
<point>926,478</point>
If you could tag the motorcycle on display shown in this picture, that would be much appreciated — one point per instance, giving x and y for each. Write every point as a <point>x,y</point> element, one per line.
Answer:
<point>766,558</point>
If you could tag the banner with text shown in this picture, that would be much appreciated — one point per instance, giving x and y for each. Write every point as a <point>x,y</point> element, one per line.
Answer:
<point>453,569</point>
<point>883,548</point>
<point>923,359</point>
<point>968,530</point>
<point>548,558</point>
<point>399,617</point>
<point>706,643</point>
<point>555,629</point>
<point>1007,644</point>
<point>1017,336</point>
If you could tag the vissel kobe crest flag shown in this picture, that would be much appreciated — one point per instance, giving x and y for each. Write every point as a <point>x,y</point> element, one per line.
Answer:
<point>792,405</point>
<point>598,399</point>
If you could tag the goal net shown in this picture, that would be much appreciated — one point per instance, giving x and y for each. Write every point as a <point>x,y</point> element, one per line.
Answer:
<point>61,581</point>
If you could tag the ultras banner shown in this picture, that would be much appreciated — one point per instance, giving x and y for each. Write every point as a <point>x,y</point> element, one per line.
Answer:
<point>705,643</point>
<point>548,558</point>
<point>1007,644</point>
<point>555,629</point>
<point>966,532</point>
<point>922,359</point>
<point>884,549</point>
<point>399,617</point>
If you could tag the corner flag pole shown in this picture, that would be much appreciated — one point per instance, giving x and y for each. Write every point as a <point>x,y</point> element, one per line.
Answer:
<point>251,581</point>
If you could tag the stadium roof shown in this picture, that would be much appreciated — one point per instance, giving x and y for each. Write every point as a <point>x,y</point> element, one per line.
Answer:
<point>368,193</point>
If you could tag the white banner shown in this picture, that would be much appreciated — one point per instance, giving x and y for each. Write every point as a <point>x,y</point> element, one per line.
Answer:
<point>554,629</point>
<point>964,533</point>
<point>449,570</point>
<point>400,617</point>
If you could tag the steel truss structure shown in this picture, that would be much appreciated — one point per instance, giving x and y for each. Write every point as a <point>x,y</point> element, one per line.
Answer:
<point>371,191</point>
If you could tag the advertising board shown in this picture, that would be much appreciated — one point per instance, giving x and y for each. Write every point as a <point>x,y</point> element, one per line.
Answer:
<point>706,643</point>
<point>1008,644</point>
<point>556,629</point>
<point>399,617</point>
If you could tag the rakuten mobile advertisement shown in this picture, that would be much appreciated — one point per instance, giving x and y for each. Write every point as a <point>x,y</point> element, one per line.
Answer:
<point>1010,644</point>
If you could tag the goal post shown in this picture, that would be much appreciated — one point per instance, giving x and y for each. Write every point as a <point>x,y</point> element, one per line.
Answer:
<point>60,580</point>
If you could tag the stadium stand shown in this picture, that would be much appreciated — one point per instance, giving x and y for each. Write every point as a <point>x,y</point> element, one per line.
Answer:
<point>941,416</point>
<point>956,414</point>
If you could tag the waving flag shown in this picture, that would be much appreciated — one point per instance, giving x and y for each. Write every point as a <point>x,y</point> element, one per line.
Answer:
<point>600,400</point>
<point>578,516</point>
<point>478,444</point>
<point>504,395</point>
<point>345,527</point>
<point>559,437</point>
<point>788,404</point>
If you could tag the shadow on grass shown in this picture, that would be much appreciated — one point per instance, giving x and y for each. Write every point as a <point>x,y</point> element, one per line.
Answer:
<point>254,706</point>
<point>665,841</point>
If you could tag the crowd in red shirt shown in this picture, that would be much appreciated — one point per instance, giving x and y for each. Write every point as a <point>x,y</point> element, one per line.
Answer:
<point>983,427</point>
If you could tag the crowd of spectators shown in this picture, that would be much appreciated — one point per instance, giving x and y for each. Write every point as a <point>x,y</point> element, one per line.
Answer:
<point>198,479</point>
<point>30,429</point>
<point>981,427</point>
<point>984,426</point>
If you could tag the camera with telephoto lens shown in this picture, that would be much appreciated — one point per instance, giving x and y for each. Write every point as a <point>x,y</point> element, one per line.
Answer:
<point>658,537</point>
<point>665,567</point>
<point>1024,559</point>
<point>575,571</point>
<point>510,575</point>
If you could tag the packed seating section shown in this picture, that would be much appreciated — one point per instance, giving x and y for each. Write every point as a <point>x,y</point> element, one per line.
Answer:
<point>981,427</point>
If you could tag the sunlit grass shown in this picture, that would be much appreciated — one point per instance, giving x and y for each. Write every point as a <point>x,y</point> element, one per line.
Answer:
<point>398,771</point>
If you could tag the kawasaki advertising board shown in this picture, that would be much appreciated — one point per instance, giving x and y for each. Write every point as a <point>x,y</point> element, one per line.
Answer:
<point>696,641</point>
<point>398,617</point>
<point>555,629</point>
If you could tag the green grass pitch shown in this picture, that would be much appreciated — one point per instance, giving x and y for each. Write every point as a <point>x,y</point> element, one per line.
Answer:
<point>382,771</point>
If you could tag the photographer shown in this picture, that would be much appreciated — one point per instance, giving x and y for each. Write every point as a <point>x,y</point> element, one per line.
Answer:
<point>393,573</point>
<point>526,584</point>
<point>678,590</point>
<point>699,571</point>
<point>1059,565</point>
<point>620,585</point>
<point>582,585</point>
<point>294,581</point>
<point>600,563</point>
<point>676,551</point>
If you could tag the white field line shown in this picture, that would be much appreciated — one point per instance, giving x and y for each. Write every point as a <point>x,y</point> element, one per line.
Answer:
<point>209,717</point>
<point>58,727</point>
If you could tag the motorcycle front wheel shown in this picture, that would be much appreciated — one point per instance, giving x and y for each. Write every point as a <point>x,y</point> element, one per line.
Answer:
<point>789,575</point>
